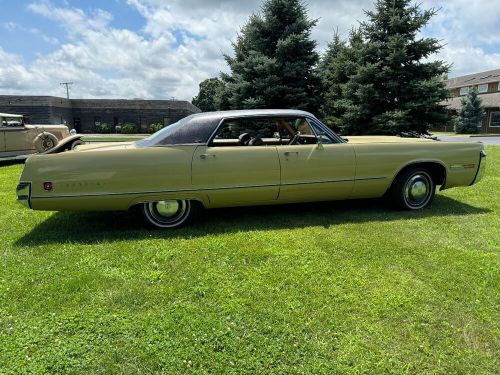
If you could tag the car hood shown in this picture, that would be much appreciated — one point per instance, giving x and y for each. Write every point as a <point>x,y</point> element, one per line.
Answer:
<point>384,139</point>
<point>104,146</point>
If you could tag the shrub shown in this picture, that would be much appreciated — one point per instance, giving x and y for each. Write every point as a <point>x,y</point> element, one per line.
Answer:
<point>102,128</point>
<point>153,128</point>
<point>129,128</point>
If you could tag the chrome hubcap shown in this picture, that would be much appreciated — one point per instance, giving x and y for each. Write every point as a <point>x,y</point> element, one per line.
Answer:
<point>167,208</point>
<point>417,190</point>
<point>167,212</point>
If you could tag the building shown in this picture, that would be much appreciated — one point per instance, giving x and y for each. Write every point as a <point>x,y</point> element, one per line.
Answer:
<point>488,86</point>
<point>85,114</point>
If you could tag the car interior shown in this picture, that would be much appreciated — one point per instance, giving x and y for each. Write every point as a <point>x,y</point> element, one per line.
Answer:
<point>266,131</point>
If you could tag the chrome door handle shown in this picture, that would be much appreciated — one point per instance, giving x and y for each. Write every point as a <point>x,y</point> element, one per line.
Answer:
<point>288,153</point>
<point>204,156</point>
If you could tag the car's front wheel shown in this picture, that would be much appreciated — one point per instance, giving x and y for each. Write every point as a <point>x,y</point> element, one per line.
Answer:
<point>413,189</point>
<point>169,214</point>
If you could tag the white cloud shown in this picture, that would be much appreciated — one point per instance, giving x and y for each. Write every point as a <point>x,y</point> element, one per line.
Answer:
<point>105,61</point>
<point>470,30</point>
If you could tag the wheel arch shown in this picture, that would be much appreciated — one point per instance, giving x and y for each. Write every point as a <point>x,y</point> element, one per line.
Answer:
<point>436,168</point>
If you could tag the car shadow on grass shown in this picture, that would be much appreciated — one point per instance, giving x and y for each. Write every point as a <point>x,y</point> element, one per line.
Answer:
<point>105,227</point>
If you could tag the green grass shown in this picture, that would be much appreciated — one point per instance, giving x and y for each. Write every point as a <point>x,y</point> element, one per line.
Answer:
<point>337,288</point>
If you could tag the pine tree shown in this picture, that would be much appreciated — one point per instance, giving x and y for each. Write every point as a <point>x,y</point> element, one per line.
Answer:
<point>391,88</point>
<point>274,61</point>
<point>336,66</point>
<point>470,115</point>
<point>206,100</point>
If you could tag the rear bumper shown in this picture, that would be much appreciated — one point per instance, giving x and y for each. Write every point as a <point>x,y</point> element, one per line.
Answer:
<point>481,168</point>
<point>23,193</point>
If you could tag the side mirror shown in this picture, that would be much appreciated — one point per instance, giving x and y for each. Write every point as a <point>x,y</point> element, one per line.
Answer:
<point>320,141</point>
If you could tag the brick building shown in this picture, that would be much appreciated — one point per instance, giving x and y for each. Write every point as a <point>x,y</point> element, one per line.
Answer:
<point>488,86</point>
<point>84,114</point>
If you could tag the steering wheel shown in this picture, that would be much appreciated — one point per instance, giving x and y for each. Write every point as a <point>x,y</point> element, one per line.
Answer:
<point>295,139</point>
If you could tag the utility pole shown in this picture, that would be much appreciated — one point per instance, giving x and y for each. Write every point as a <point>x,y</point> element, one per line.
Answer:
<point>67,84</point>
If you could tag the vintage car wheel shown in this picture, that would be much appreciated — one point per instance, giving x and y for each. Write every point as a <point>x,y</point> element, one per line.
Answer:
<point>413,189</point>
<point>45,141</point>
<point>169,214</point>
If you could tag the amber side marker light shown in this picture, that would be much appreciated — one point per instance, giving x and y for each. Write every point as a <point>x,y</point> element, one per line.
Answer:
<point>47,186</point>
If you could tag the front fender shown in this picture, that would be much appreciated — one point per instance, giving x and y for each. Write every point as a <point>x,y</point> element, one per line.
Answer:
<point>64,143</point>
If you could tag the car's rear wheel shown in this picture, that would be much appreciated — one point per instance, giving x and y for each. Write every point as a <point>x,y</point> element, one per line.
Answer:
<point>169,214</point>
<point>413,189</point>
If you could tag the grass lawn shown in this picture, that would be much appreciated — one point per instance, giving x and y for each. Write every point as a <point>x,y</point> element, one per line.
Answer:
<point>337,288</point>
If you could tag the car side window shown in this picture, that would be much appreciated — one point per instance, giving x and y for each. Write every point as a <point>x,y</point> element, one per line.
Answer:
<point>246,132</point>
<point>296,131</point>
<point>12,122</point>
<point>325,138</point>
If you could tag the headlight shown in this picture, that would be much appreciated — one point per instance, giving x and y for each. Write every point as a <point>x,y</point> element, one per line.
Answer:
<point>73,132</point>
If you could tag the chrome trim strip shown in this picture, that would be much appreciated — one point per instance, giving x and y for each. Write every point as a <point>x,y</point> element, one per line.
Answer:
<point>204,189</point>
<point>333,181</point>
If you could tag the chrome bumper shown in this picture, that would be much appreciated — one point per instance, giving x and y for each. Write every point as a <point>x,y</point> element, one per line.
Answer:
<point>23,193</point>
<point>481,169</point>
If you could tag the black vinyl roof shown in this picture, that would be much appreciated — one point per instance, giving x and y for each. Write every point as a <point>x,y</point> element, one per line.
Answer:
<point>199,127</point>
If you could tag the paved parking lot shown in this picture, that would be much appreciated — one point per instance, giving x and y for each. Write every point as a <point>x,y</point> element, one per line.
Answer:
<point>489,141</point>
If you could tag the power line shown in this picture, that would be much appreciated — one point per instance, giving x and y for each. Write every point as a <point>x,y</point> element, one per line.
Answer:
<point>67,84</point>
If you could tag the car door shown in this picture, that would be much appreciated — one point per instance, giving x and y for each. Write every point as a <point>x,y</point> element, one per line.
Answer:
<point>234,172</point>
<point>312,171</point>
<point>15,134</point>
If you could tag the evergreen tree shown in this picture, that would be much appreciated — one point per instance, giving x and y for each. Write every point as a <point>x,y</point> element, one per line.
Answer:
<point>390,87</point>
<point>336,66</point>
<point>274,60</point>
<point>206,100</point>
<point>470,115</point>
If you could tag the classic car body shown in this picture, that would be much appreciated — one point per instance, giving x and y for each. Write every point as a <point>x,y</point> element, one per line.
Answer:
<point>18,138</point>
<point>239,158</point>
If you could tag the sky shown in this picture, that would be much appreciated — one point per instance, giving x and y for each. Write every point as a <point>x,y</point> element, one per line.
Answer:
<point>162,49</point>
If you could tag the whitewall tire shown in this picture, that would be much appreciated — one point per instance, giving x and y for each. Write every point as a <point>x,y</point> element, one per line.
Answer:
<point>169,214</point>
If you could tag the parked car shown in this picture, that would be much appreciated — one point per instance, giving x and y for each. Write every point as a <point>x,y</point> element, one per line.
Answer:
<point>244,158</point>
<point>18,138</point>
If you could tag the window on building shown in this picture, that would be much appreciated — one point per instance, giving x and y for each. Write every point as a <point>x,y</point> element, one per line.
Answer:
<point>495,119</point>
<point>482,88</point>
<point>464,91</point>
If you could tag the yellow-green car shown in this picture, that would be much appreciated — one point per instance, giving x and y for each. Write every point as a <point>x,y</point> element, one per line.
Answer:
<point>243,158</point>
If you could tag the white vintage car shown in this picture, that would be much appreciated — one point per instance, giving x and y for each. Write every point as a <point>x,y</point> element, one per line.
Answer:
<point>19,139</point>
